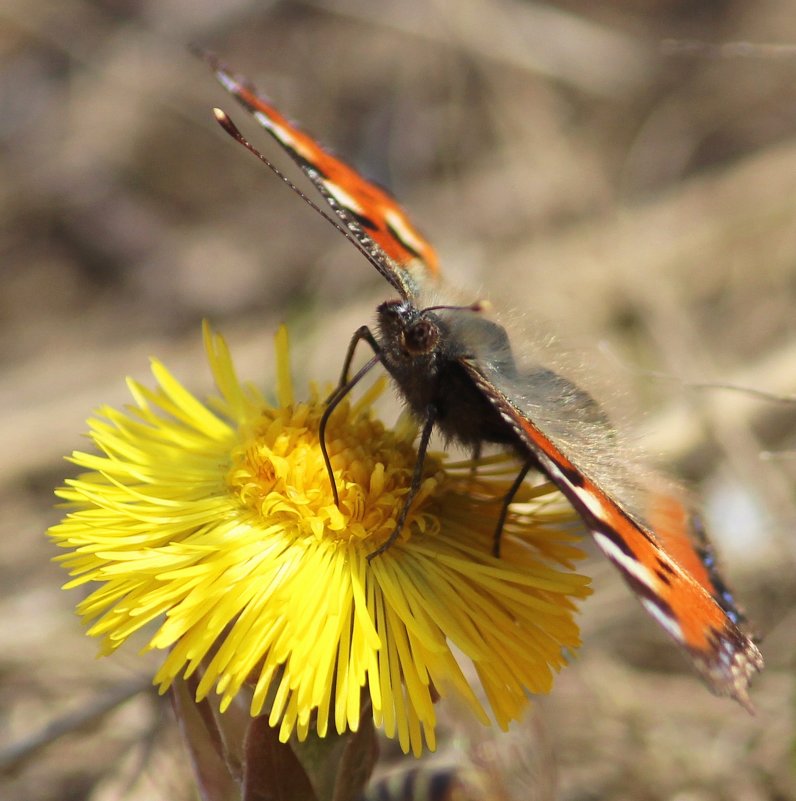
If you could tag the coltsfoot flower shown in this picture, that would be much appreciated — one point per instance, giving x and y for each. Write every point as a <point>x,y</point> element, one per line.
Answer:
<point>213,525</point>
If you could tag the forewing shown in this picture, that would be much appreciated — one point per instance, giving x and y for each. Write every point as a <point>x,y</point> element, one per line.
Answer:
<point>373,217</point>
<point>689,608</point>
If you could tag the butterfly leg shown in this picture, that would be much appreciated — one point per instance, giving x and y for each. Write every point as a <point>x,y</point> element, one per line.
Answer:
<point>504,509</point>
<point>414,487</point>
<point>362,333</point>
<point>344,386</point>
<point>331,404</point>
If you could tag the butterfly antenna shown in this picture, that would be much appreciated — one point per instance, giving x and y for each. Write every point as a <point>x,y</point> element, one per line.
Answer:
<point>226,123</point>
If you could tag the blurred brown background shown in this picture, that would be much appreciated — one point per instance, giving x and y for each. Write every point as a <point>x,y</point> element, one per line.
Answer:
<point>623,170</point>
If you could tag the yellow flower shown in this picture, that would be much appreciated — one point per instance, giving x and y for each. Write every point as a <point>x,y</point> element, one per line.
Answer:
<point>215,522</point>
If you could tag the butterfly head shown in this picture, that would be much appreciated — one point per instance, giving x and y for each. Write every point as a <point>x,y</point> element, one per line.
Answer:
<point>408,334</point>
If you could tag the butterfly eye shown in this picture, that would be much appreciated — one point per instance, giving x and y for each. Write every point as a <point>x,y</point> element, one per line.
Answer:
<point>420,338</point>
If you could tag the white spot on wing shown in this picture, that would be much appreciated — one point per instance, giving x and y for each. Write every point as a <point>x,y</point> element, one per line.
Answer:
<point>592,502</point>
<point>552,468</point>
<point>624,562</point>
<point>668,623</point>
<point>627,563</point>
<point>229,83</point>
<point>342,197</point>
<point>269,125</point>
<point>398,225</point>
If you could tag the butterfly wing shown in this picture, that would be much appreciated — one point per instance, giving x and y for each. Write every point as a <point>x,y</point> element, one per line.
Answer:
<point>373,217</point>
<point>694,608</point>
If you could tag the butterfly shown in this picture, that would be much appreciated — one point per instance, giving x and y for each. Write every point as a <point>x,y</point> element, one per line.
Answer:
<point>455,369</point>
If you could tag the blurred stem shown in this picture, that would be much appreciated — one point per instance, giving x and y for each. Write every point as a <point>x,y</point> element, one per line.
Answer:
<point>272,771</point>
<point>203,742</point>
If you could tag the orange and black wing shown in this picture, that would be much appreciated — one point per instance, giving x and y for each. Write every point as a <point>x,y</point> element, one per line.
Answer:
<point>371,215</point>
<point>675,582</point>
